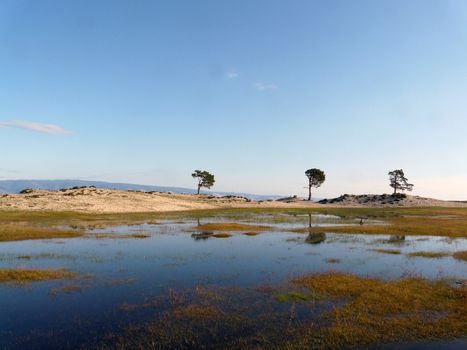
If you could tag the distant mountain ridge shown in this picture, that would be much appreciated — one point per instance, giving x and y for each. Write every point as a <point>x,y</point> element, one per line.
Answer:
<point>15,186</point>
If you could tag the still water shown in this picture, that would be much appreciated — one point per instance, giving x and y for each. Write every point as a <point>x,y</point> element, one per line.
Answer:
<point>114,272</point>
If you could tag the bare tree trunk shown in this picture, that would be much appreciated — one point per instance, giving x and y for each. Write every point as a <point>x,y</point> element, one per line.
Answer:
<point>309,193</point>
<point>199,187</point>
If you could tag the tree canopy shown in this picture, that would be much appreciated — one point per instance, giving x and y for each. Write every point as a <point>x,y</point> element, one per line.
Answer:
<point>316,177</point>
<point>205,179</point>
<point>398,181</point>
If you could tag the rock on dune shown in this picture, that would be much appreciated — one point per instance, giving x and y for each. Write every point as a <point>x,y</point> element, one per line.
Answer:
<point>389,200</point>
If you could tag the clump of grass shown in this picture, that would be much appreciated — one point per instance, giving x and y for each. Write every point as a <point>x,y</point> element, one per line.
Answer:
<point>117,236</point>
<point>139,235</point>
<point>197,312</point>
<point>461,255</point>
<point>122,281</point>
<point>251,233</point>
<point>33,275</point>
<point>221,235</point>
<point>231,227</point>
<point>433,255</point>
<point>388,311</point>
<point>292,297</point>
<point>387,251</point>
<point>67,289</point>
<point>128,307</point>
<point>11,232</point>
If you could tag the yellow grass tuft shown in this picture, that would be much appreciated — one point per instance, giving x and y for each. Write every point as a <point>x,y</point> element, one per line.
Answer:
<point>433,255</point>
<point>221,235</point>
<point>461,255</point>
<point>11,232</point>
<point>387,251</point>
<point>197,312</point>
<point>231,227</point>
<point>117,236</point>
<point>251,233</point>
<point>33,275</point>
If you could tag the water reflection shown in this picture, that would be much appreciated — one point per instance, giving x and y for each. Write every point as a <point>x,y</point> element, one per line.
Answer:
<point>315,238</point>
<point>396,239</point>
<point>202,235</point>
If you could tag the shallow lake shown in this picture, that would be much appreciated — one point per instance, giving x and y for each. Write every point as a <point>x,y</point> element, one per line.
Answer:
<point>117,271</point>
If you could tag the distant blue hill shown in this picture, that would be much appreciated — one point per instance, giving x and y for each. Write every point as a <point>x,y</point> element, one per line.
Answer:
<point>15,186</point>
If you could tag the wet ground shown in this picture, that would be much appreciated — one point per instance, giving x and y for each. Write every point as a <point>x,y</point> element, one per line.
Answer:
<point>125,280</point>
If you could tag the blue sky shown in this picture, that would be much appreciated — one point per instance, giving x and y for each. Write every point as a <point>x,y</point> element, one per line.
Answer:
<point>254,91</point>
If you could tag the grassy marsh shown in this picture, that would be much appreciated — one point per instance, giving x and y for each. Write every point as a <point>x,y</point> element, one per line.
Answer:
<point>344,311</point>
<point>388,311</point>
<point>450,222</point>
<point>462,255</point>
<point>251,234</point>
<point>432,255</point>
<point>292,297</point>
<point>209,299</point>
<point>229,226</point>
<point>221,235</point>
<point>12,232</point>
<point>33,275</point>
<point>401,224</point>
<point>119,236</point>
<point>387,251</point>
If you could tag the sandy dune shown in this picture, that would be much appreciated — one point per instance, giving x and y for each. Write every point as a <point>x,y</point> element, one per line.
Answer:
<point>90,199</point>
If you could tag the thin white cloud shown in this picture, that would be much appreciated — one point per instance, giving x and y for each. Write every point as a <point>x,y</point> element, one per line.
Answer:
<point>2,170</point>
<point>260,86</point>
<point>33,126</point>
<point>232,75</point>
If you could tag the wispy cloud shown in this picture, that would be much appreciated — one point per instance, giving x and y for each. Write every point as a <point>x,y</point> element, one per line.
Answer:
<point>33,126</point>
<point>2,170</point>
<point>232,75</point>
<point>260,86</point>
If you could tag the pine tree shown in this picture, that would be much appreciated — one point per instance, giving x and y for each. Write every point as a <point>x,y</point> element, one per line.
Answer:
<point>398,181</point>
<point>316,178</point>
<point>205,179</point>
